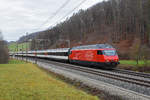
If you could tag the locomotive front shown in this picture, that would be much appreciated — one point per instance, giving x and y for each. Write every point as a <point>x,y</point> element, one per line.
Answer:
<point>110,57</point>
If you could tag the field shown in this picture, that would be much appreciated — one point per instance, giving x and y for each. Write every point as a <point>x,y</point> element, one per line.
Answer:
<point>27,82</point>
<point>132,65</point>
<point>16,62</point>
<point>133,62</point>
<point>13,47</point>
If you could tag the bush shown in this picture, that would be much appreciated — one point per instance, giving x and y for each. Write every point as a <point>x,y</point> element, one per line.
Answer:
<point>4,56</point>
<point>145,54</point>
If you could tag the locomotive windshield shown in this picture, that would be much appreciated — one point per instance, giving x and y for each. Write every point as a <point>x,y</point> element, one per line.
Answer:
<point>109,52</point>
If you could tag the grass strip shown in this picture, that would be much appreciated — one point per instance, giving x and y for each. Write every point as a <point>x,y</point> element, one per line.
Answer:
<point>27,82</point>
<point>134,63</point>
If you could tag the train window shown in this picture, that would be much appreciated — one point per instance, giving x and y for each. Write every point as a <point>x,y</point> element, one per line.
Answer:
<point>109,52</point>
<point>99,52</point>
<point>70,52</point>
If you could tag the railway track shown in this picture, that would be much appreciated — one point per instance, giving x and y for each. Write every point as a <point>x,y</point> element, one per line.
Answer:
<point>139,74</point>
<point>118,82</point>
<point>107,74</point>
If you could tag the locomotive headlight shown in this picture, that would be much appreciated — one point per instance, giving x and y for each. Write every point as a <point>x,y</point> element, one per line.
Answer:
<point>107,60</point>
<point>116,60</point>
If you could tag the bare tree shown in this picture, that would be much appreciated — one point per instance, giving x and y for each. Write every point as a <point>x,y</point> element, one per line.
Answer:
<point>1,36</point>
<point>3,50</point>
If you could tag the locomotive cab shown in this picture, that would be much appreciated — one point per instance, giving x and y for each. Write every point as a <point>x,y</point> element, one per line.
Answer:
<point>110,57</point>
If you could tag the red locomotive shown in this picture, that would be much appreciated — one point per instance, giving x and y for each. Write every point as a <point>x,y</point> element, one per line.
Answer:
<point>101,55</point>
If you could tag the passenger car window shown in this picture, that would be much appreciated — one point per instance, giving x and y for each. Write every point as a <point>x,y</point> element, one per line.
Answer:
<point>99,52</point>
<point>70,52</point>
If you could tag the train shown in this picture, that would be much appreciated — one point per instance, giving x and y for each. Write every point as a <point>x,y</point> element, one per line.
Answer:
<point>98,55</point>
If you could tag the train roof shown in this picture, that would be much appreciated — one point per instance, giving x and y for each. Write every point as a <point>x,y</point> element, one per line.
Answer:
<point>96,46</point>
<point>52,50</point>
<point>43,51</point>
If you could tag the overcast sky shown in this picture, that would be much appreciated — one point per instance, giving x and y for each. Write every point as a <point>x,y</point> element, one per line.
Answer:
<point>20,16</point>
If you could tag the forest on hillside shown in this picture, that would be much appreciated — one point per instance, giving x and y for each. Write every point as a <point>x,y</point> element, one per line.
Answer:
<point>125,24</point>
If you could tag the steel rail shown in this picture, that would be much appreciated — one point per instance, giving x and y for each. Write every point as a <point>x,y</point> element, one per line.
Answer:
<point>104,74</point>
<point>140,74</point>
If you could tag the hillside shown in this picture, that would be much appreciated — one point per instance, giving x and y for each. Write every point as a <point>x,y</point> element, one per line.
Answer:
<point>28,37</point>
<point>116,22</point>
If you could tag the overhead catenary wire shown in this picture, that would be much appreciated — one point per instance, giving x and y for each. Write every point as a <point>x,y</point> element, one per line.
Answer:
<point>55,13</point>
<point>58,10</point>
<point>68,13</point>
